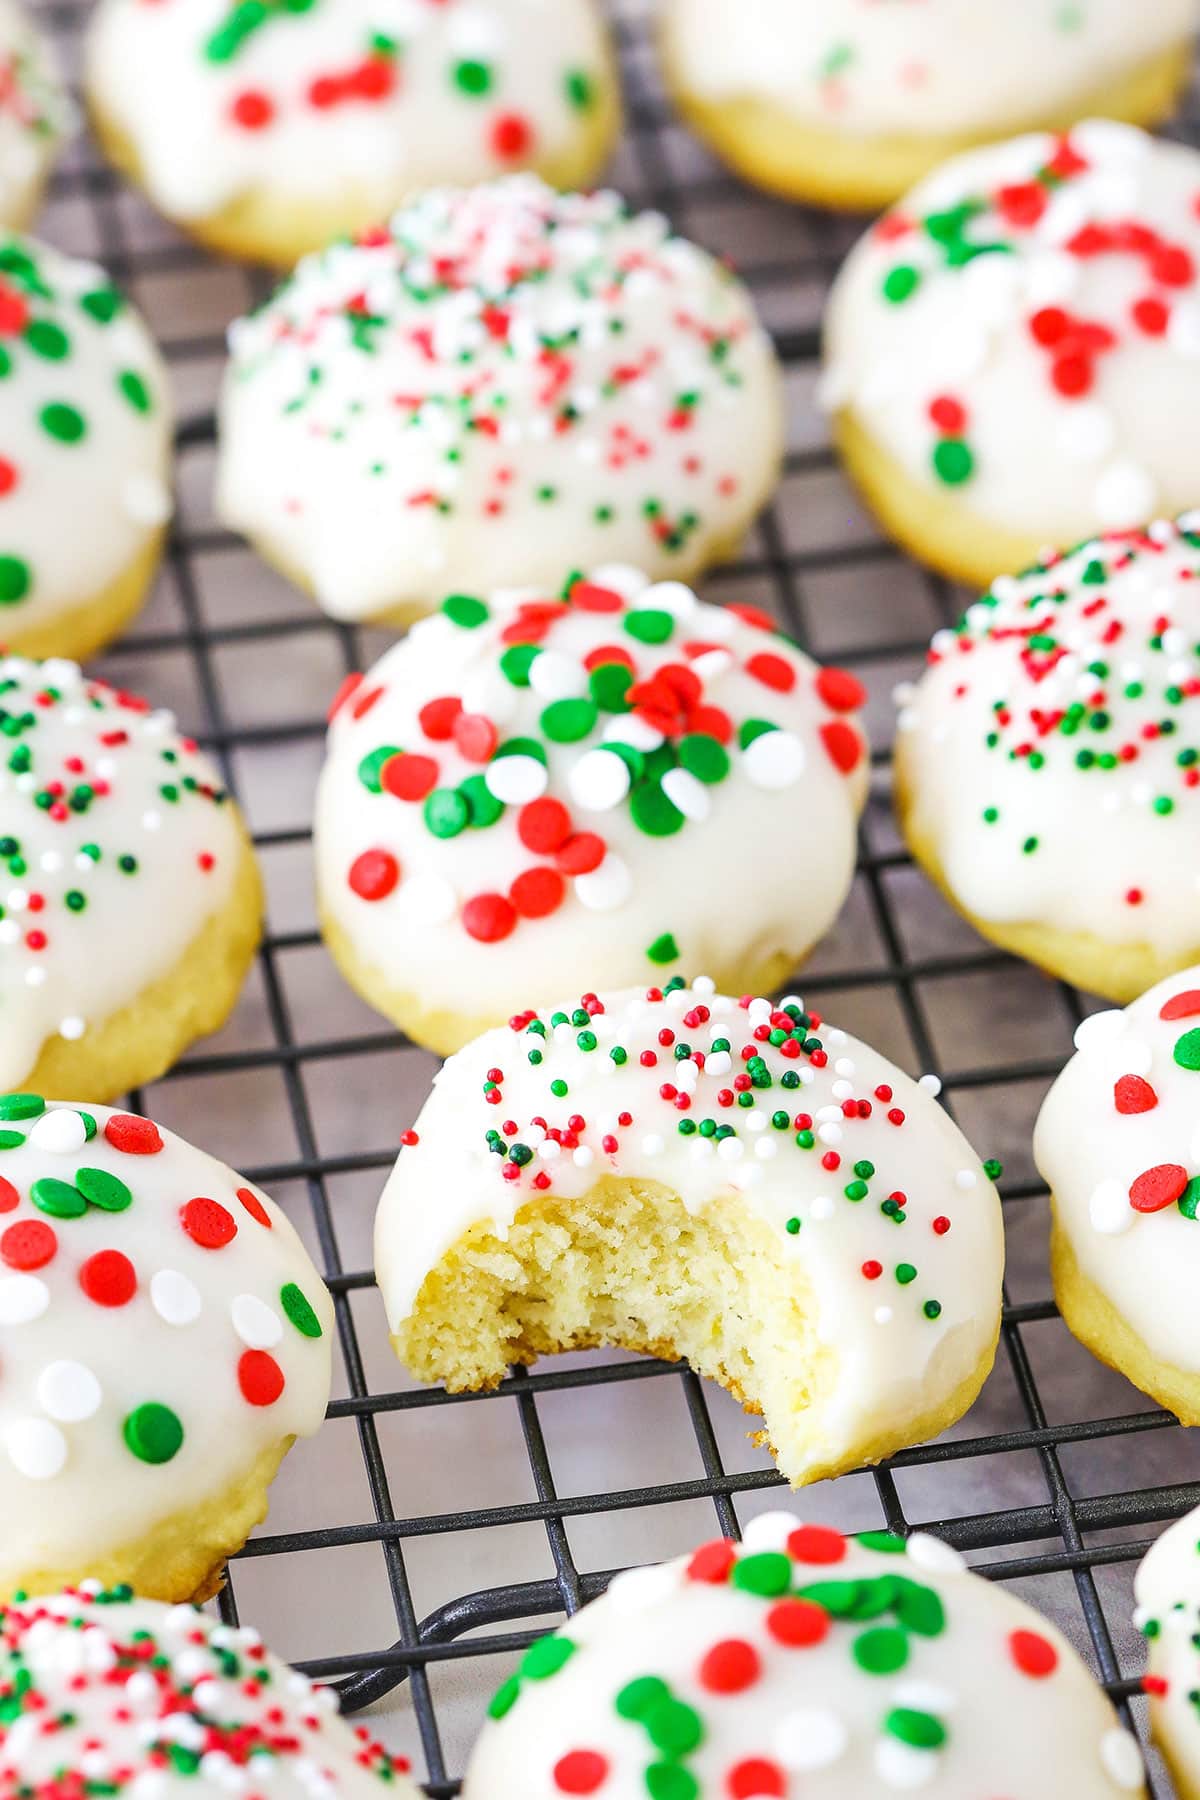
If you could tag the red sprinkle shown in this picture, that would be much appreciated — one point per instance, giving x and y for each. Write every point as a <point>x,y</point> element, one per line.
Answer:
<point>489,917</point>
<point>816,1544</point>
<point>108,1278</point>
<point>260,1378</point>
<point>1131,1094</point>
<point>730,1667</point>
<point>133,1135</point>
<point>31,1244</point>
<point>1158,1187</point>
<point>374,875</point>
<point>208,1223</point>
<point>1033,1654</point>
<point>580,1771</point>
<point>798,1623</point>
<point>712,1562</point>
<point>1181,1006</point>
<point>255,1207</point>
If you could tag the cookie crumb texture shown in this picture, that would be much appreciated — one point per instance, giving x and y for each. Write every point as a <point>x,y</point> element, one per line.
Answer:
<point>694,1176</point>
<point>1013,351</point>
<point>1117,1145</point>
<point>133,902</point>
<point>267,129</point>
<point>1048,762</point>
<point>103,1693</point>
<point>800,1661</point>
<point>165,1339</point>
<point>35,114</point>
<point>504,380</point>
<point>1167,1588</point>
<point>621,777</point>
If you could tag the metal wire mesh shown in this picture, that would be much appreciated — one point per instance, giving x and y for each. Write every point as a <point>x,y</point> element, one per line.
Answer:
<point>1054,1477</point>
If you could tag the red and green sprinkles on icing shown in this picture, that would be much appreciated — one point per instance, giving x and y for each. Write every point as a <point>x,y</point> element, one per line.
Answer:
<point>1166,1184</point>
<point>648,739</point>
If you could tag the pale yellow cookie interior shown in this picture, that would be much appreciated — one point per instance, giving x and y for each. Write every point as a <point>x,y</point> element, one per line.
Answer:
<point>1092,1318</point>
<point>84,629</point>
<point>771,147</point>
<point>141,1041</point>
<point>181,1559</point>
<point>627,1266</point>
<point>1118,972</point>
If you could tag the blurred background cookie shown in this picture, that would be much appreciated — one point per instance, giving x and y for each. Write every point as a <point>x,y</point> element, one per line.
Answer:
<point>35,115</point>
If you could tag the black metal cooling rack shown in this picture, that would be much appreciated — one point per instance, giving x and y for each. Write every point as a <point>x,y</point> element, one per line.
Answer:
<point>809,572</point>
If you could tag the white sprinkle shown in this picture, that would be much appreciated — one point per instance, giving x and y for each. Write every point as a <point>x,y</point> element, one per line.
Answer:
<point>672,597</point>
<point>933,1554</point>
<point>718,1062</point>
<point>731,1149</point>
<point>883,1315</point>
<point>822,1207</point>
<point>38,1450</point>
<point>1109,1209</point>
<point>770,1531</point>
<point>831,1134</point>
<point>1099,1028</point>
<point>704,985</point>
<point>23,1298</point>
<point>71,1028</point>
<point>175,1298</point>
<point>554,676</point>
<point>688,795</point>
<point>516,779</point>
<point>257,1324</point>
<point>811,1737</point>
<point>1122,1759</point>
<point>607,887</point>
<point>930,1084</point>
<point>903,1766</point>
<point>642,1590</point>
<point>632,731</point>
<point>60,1132</point>
<point>965,1179</point>
<point>583,1157</point>
<point>599,780</point>
<point>774,760</point>
<point>68,1392</point>
<point>151,820</point>
<point>925,1696</point>
<point>35,977</point>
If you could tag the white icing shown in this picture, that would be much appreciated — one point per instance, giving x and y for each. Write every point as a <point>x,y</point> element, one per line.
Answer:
<point>806,1718</point>
<point>34,114</point>
<point>891,360</point>
<point>59,965</point>
<point>784,853</point>
<point>101,382</point>
<point>391,124</point>
<point>390,463</point>
<point>76,1367</point>
<point>1167,1590</point>
<point>450,1180</point>
<point>1116,848</point>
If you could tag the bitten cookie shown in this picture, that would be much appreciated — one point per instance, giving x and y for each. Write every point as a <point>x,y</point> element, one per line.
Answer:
<point>847,103</point>
<point>1118,1147</point>
<point>677,1172</point>
<point>524,788</point>
<point>1048,763</point>
<point>267,130</point>
<point>803,1662</point>
<point>34,116</point>
<point>166,1338</point>
<point>1013,353</point>
<point>85,449</point>
<point>108,1694</point>
<point>505,380</point>
<point>133,905</point>
<point>1168,1612</point>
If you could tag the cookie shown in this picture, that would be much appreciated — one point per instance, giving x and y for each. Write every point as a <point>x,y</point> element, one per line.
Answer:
<point>149,1699</point>
<point>1117,1145</point>
<point>267,130</point>
<point>85,438</point>
<point>524,787</point>
<point>848,103</point>
<point>35,115</point>
<point>1168,1612</point>
<point>803,1662</point>
<point>1013,353</point>
<point>504,382</point>
<point>746,1187</point>
<point>134,904</point>
<point>1048,763</point>
<point>166,1338</point>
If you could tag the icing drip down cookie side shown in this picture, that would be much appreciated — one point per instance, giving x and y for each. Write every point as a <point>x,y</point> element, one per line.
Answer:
<point>683,1173</point>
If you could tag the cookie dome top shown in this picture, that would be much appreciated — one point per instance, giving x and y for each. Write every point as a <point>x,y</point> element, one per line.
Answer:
<point>163,1699</point>
<point>163,1329</point>
<point>1051,754</point>
<point>34,112</point>
<point>505,379</point>
<point>1022,332</point>
<point>526,775</point>
<point>1117,1143</point>
<point>85,436</point>
<point>944,67</point>
<point>118,843</point>
<point>803,1661</point>
<point>1167,1587</point>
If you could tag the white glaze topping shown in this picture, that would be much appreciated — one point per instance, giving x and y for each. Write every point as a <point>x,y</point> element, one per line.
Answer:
<point>1118,1146</point>
<point>85,436</point>
<point>141,1282</point>
<point>34,113</point>
<point>1052,752</point>
<point>386,97</point>
<point>1167,1589</point>
<point>505,380</point>
<point>153,1702</point>
<point>525,787</point>
<point>872,1189</point>
<point>117,844</point>
<point>803,1663</point>
<point>933,69</point>
<point>1022,332</point>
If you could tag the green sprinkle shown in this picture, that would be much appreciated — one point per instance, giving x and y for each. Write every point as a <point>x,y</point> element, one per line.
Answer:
<point>652,812</point>
<point>610,684</point>
<point>63,422</point>
<point>567,721</point>
<point>504,1699</point>
<point>465,610</point>
<point>881,1651</point>
<point>299,1311</point>
<point>920,1729</point>
<point>516,662</point>
<point>900,283</point>
<point>472,77</point>
<point>768,1573</point>
<point>153,1433</point>
<point>639,1697</point>
<point>58,1198</point>
<point>15,580</point>
<point>447,812</point>
<point>905,1273</point>
<point>546,1658</point>
<point>664,949</point>
<point>649,625</point>
<point>21,1106</point>
<point>673,1727</point>
<point>483,808</point>
<point>1187,1052</point>
<point>703,757</point>
<point>953,462</point>
<point>101,1189</point>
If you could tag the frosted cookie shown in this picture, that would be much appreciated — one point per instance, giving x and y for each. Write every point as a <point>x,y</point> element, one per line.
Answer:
<point>108,1694</point>
<point>1048,763</point>
<point>1118,1147</point>
<point>625,781</point>
<point>677,1172</point>
<point>265,130</point>
<point>85,449</point>
<point>166,1338</point>
<point>505,381</point>
<point>34,116</point>
<point>1168,1612</point>
<point>803,1662</point>
<point>1013,353</point>
<point>130,902</point>
<point>847,102</point>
